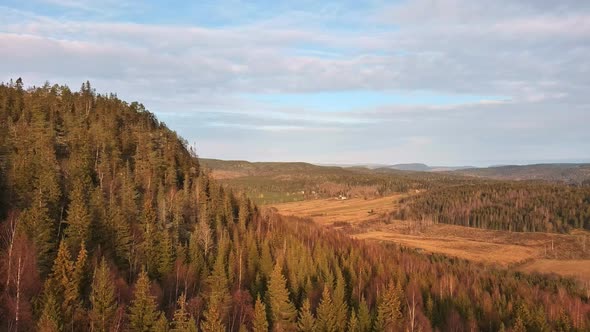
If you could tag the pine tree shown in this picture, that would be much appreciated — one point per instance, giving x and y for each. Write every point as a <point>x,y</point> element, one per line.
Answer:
<point>389,309</point>
<point>326,321</point>
<point>282,311</point>
<point>143,313</point>
<point>102,299</point>
<point>260,323</point>
<point>306,321</point>
<point>183,321</point>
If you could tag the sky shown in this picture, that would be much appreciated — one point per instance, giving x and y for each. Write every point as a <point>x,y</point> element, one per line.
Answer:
<point>442,82</point>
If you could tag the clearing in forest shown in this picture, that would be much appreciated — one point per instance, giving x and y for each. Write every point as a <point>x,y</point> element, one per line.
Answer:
<point>334,210</point>
<point>563,254</point>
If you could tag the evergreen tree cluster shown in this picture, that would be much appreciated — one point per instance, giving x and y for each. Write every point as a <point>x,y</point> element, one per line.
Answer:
<point>510,206</point>
<point>109,223</point>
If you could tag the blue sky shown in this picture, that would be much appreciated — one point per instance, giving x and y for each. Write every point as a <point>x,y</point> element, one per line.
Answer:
<point>444,82</point>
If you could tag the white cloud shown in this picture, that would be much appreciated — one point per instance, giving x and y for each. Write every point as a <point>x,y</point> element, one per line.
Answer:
<point>532,53</point>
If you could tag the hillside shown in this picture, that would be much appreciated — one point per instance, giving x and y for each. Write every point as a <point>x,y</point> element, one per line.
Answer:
<point>569,173</point>
<point>109,222</point>
<point>278,182</point>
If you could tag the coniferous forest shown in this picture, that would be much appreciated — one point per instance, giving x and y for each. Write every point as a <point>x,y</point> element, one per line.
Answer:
<point>108,223</point>
<point>510,206</point>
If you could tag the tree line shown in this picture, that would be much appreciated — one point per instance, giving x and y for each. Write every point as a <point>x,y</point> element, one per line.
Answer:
<point>511,206</point>
<point>109,223</point>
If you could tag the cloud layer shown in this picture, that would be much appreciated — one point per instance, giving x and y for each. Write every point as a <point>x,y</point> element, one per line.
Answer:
<point>208,71</point>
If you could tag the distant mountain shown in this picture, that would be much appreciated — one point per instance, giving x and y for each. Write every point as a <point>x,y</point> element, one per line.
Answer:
<point>411,167</point>
<point>358,165</point>
<point>570,173</point>
<point>425,168</point>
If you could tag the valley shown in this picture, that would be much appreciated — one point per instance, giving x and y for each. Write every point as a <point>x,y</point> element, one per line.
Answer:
<point>567,255</point>
<point>111,222</point>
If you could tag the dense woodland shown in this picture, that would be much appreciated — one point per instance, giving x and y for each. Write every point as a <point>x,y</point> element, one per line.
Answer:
<point>108,223</point>
<point>574,174</point>
<point>512,206</point>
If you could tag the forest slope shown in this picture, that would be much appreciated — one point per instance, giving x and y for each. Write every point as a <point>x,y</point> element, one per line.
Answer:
<point>109,223</point>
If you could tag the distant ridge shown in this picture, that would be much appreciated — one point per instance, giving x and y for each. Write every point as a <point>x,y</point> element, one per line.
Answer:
<point>558,172</point>
<point>418,167</point>
<point>413,167</point>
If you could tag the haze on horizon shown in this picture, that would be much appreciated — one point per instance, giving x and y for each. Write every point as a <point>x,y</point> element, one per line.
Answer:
<point>442,82</point>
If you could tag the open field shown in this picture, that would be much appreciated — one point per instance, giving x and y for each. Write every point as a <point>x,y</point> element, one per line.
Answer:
<point>579,269</point>
<point>480,251</point>
<point>564,254</point>
<point>330,211</point>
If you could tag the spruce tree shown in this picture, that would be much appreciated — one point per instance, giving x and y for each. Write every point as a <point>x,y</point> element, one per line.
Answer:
<point>326,320</point>
<point>283,313</point>
<point>183,321</point>
<point>339,299</point>
<point>389,309</point>
<point>78,217</point>
<point>244,212</point>
<point>218,283</point>
<point>67,288</point>
<point>365,319</point>
<point>260,322</point>
<point>212,321</point>
<point>39,227</point>
<point>102,299</point>
<point>143,313</point>
<point>51,318</point>
<point>166,254</point>
<point>353,323</point>
<point>306,321</point>
<point>162,324</point>
<point>120,236</point>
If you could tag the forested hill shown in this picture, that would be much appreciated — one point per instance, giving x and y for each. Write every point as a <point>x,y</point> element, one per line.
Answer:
<point>578,174</point>
<point>108,223</point>
<point>274,182</point>
<point>512,206</point>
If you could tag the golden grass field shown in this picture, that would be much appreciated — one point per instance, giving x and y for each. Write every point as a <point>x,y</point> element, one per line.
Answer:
<point>564,254</point>
<point>329,211</point>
